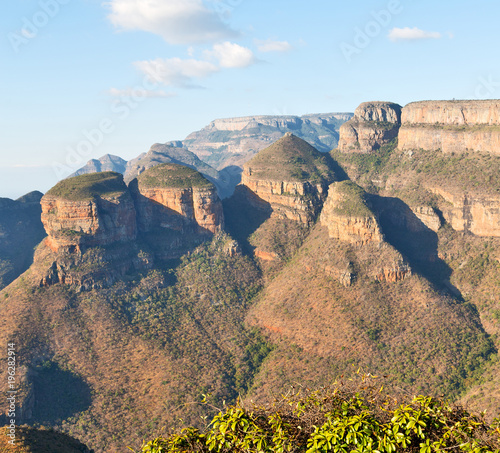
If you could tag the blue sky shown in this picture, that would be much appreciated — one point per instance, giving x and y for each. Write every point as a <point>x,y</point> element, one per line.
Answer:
<point>82,78</point>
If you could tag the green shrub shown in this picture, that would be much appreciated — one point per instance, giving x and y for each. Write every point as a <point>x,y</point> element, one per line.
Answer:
<point>351,417</point>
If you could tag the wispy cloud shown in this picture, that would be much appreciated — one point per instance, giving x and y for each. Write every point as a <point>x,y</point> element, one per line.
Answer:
<point>177,21</point>
<point>231,55</point>
<point>185,73</point>
<point>139,92</point>
<point>412,34</point>
<point>270,45</point>
<point>175,71</point>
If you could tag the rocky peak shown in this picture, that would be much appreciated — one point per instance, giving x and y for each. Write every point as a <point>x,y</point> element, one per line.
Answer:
<point>88,210</point>
<point>385,112</point>
<point>108,162</point>
<point>374,125</point>
<point>290,177</point>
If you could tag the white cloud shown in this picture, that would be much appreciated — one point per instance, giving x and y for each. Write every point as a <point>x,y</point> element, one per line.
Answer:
<point>231,55</point>
<point>273,46</point>
<point>175,71</point>
<point>177,21</point>
<point>139,92</point>
<point>412,34</point>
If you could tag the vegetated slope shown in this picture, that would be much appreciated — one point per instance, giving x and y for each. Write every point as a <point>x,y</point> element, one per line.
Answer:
<point>291,159</point>
<point>88,186</point>
<point>124,361</point>
<point>165,175</point>
<point>457,194</point>
<point>20,231</point>
<point>421,339</point>
<point>333,302</point>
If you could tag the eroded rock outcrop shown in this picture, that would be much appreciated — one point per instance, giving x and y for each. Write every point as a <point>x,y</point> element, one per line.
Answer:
<point>451,126</point>
<point>178,198</point>
<point>87,211</point>
<point>374,125</point>
<point>348,217</point>
<point>291,178</point>
<point>170,208</point>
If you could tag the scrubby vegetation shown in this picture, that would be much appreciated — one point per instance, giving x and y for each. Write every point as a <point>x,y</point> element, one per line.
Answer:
<point>467,171</point>
<point>353,200</point>
<point>85,187</point>
<point>345,417</point>
<point>172,175</point>
<point>292,159</point>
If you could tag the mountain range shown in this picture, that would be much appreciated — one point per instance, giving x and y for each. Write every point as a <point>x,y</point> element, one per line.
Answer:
<point>219,150</point>
<point>162,281</point>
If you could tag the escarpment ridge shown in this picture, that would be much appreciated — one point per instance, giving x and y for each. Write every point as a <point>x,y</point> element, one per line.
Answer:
<point>451,126</point>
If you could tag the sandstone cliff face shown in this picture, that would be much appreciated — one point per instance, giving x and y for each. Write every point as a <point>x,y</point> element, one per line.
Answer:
<point>428,216</point>
<point>393,272</point>
<point>290,178</point>
<point>347,217</point>
<point>299,201</point>
<point>457,113</point>
<point>178,208</point>
<point>374,124</point>
<point>451,126</point>
<point>72,225</point>
<point>381,112</point>
<point>470,213</point>
<point>174,197</point>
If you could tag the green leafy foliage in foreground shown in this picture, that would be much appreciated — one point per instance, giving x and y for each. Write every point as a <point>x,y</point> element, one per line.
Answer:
<point>344,418</point>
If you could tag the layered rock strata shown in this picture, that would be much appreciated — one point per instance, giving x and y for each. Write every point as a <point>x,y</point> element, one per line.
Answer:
<point>87,211</point>
<point>290,178</point>
<point>479,215</point>
<point>347,216</point>
<point>374,125</point>
<point>349,219</point>
<point>297,201</point>
<point>176,206</point>
<point>175,197</point>
<point>451,126</point>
